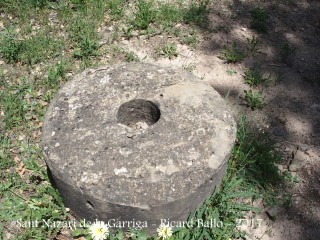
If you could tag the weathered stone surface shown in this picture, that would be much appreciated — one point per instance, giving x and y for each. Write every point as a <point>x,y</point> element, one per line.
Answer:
<point>299,161</point>
<point>153,167</point>
<point>274,212</point>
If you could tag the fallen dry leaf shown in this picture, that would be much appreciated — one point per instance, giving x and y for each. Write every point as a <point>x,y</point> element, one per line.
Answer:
<point>21,169</point>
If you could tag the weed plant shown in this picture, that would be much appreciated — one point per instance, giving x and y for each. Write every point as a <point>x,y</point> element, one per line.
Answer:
<point>232,54</point>
<point>259,20</point>
<point>285,51</point>
<point>253,45</point>
<point>254,100</point>
<point>231,72</point>
<point>168,50</point>
<point>254,78</point>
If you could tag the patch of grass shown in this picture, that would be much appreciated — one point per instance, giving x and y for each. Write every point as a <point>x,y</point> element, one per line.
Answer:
<point>285,51</point>
<point>232,54</point>
<point>39,3</point>
<point>56,76</point>
<point>25,3</point>
<point>86,48</point>
<point>168,14</point>
<point>82,28</point>
<point>168,50</point>
<point>254,78</point>
<point>84,36</point>
<point>224,208</point>
<point>144,15</point>
<point>6,160</point>
<point>197,13</point>
<point>255,159</point>
<point>122,54</point>
<point>29,199</point>
<point>40,47</point>
<point>10,47</point>
<point>26,9</point>
<point>13,104</point>
<point>30,50</point>
<point>190,38</point>
<point>116,8</point>
<point>253,45</point>
<point>259,20</point>
<point>25,191</point>
<point>255,100</point>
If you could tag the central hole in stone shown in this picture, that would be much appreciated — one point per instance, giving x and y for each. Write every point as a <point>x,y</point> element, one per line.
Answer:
<point>138,111</point>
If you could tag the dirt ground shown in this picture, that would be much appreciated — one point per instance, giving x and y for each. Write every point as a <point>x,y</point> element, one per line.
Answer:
<point>292,113</point>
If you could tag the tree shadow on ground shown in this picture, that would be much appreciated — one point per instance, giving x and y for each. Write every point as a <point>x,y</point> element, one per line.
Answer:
<point>289,49</point>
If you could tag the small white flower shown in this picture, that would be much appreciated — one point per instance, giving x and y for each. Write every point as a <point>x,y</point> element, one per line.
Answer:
<point>164,231</point>
<point>99,230</point>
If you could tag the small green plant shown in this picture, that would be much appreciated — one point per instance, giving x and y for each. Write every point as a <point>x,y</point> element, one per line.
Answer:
<point>144,15</point>
<point>127,32</point>
<point>259,18</point>
<point>56,75</point>
<point>168,50</point>
<point>285,51</point>
<point>231,72</point>
<point>277,79</point>
<point>86,47</point>
<point>189,67</point>
<point>231,54</point>
<point>253,45</point>
<point>290,178</point>
<point>255,100</point>
<point>131,57</point>
<point>254,78</point>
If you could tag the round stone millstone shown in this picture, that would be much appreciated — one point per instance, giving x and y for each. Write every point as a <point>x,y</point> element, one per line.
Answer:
<point>137,142</point>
